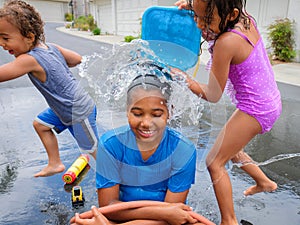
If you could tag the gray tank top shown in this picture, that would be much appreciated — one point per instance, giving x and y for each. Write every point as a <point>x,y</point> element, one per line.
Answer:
<point>70,102</point>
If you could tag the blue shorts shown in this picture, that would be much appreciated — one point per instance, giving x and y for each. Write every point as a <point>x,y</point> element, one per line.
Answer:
<point>85,132</point>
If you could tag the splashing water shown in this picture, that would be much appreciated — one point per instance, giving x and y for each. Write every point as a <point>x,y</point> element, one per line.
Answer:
<point>230,165</point>
<point>109,74</point>
<point>271,160</point>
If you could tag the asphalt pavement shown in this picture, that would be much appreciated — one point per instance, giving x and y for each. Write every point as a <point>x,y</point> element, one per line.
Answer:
<point>33,201</point>
<point>286,73</point>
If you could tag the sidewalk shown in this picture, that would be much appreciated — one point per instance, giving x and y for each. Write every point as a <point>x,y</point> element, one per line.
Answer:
<point>109,39</point>
<point>288,73</point>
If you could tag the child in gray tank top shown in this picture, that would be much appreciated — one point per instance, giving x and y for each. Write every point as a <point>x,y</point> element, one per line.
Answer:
<point>47,65</point>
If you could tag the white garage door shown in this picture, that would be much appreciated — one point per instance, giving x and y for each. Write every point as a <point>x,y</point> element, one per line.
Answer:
<point>49,10</point>
<point>129,14</point>
<point>105,17</point>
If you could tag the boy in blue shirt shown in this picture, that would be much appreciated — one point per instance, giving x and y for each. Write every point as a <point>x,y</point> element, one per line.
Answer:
<point>145,160</point>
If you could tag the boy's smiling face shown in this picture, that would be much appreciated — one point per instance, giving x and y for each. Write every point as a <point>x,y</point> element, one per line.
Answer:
<point>147,115</point>
<point>12,40</point>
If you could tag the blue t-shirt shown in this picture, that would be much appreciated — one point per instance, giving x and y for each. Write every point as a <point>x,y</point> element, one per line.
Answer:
<point>119,161</point>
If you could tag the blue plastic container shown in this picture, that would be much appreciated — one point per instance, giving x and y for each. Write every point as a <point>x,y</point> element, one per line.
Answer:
<point>172,35</point>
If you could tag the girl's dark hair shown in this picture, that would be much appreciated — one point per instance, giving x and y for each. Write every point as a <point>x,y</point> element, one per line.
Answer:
<point>226,7</point>
<point>25,18</point>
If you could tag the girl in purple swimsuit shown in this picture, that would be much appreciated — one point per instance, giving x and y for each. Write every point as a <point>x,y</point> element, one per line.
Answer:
<point>240,65</point>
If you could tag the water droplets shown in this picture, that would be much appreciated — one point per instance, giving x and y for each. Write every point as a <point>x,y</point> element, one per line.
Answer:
<point>109,74</point>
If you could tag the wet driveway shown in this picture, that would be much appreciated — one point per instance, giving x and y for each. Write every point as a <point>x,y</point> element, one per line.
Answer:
<point>37,201</point>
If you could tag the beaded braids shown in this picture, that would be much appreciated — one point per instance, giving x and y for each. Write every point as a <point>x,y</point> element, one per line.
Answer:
<point>225,7</point>
<point>25,18</point>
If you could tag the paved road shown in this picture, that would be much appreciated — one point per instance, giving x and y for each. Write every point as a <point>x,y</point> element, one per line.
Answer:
<point>44,201</point>
<point>80,45</point>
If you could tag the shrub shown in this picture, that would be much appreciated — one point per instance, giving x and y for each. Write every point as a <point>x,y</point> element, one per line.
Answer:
<point>85,23</point>
<point>129,38</point>
<point>97,31</point>
<point>68,25</point>
<point>68,17</point>
<point>281,36</point>
<point>80,21</point>
<point>91,22</point>
<point>84,27</point>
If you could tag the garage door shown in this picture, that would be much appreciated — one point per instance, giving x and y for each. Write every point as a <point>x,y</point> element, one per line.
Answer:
<point>105,21</point>
<point>49,10</point>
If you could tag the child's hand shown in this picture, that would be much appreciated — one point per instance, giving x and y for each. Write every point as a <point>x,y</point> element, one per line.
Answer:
<point>97,219</point>
<point>178,75</point>
<point>183,78</point>
<point>183,4</point>
<point>177,213</point>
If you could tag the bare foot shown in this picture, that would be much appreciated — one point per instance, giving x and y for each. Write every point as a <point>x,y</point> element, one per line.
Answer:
<point>272,186</point>
<point>50,170</point>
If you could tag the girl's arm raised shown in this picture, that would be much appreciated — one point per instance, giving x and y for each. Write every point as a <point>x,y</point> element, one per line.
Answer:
<point>224,50</point>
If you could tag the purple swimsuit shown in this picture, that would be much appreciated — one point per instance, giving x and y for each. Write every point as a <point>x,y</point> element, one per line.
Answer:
<point>252,86</point>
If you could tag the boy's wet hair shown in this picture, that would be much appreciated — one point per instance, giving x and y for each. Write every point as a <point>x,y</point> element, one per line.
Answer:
<point>150,82</point>
<point>25,17</point>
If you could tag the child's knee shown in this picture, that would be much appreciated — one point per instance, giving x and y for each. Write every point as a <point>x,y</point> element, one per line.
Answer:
<point>94,154</point>
<point>40,127</point>
<point>214,163</point>
<point>210,164</point>
<point>36,125</point>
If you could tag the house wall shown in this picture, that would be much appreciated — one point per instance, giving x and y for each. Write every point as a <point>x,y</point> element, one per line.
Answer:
<point>129,14</point>
<point>104,16</point>
<point>123,16</point>
<point>50,10</point>
<point>293,13</point>
<point>267,11</point>
<point>165,2</point>
<point>54,10</point>
<point>81,7</point>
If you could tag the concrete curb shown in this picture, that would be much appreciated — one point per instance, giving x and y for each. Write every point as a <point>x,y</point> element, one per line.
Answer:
<point>288,73</point>
<point>109,39</point>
